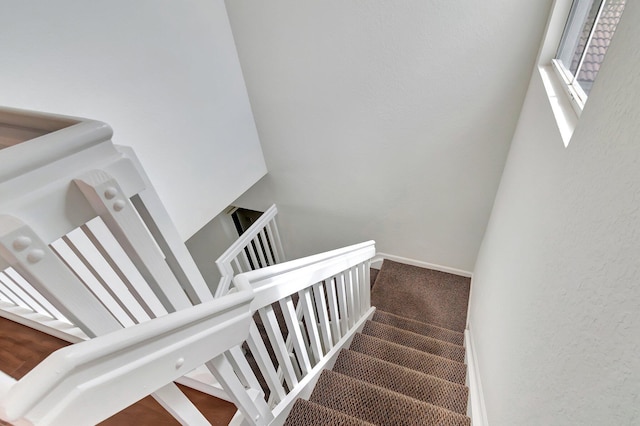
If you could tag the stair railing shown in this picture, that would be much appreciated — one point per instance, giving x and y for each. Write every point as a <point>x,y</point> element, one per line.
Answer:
<point>86,246</point>
<point>87,250</point>
<point>258,247</point>
<point>76,209</point>
<point>90,381</point>
<point>331,289</point>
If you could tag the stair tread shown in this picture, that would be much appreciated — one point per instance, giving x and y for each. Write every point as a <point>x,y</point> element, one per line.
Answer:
<point>423,387</point>
<point>414,340</point>
<point>419,327</point>
<point>305,413</point>
<point>379,405</point>
<point>414,359</point>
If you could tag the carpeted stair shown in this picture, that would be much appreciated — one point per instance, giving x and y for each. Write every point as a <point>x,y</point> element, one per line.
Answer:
<point>397,371</point>
<point>406,366</point>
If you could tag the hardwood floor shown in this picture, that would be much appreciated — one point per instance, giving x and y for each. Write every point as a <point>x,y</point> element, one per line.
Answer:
<point>22,348</point>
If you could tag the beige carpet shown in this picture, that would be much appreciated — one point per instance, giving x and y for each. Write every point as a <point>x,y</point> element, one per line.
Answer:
<point>423,295</point>
<point>399,370</point>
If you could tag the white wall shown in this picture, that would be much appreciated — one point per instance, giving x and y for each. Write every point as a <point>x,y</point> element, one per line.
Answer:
<point>385,120</point>
<point>208,244</point>
<point>556,295</point>
<point>164,74</point>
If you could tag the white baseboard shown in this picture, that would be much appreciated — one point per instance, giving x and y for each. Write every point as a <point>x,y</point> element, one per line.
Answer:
<point>377,261</point>
<point>477,409</point>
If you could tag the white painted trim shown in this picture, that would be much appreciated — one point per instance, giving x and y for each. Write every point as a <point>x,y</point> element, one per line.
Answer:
<point>478,411</point>
<point>381,256</point>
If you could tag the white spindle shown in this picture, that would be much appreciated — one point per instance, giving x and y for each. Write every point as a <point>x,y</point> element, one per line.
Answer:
<point>117,212</point>
<point>256,411</point>
<point>102,272</point>
<point>303,329</point>
<point>261,355</point>
<point>352,295</point>
<point>278,345</point>
<point>99,290</point>
<point>181,408</point>
<point>259,250</point>
<point>242,368</point>
<point>19,297</point>
<point>3,295</point>
<point>312,324</point>
<point>117,259</point>
<point>272,241</point>
<point>50,276</point>
<point>48,308</point>
<point>365,285</point>
<point>321,308</point>
<point>332,295</point>
<point>238,267</point>
<point>266,249</point>
<point>342,302</point>
<point>252,254</point>
<point>245,259</point>
<point>164,233</point>
<point>293,325</point>
<point>278,242</point>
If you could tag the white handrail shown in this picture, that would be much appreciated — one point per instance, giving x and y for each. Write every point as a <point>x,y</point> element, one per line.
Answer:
<point>272,283</point>
<point>258,247</point>
<point>127,364</point>
<point>331,290</point>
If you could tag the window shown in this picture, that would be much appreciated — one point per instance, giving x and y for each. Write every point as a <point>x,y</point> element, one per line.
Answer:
<point>584,42</point>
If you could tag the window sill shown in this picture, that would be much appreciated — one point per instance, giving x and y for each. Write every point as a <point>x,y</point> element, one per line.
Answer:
<point>563,111</point>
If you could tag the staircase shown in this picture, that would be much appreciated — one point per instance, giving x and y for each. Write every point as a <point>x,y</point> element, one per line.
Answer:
<point>396,371</point>
<point>105,269</point>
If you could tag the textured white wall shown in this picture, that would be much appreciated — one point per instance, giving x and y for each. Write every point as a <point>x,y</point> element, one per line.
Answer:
<point>164,74</point>
<point>208,244</point>
<point>385,120</point>
<point>555,300</point>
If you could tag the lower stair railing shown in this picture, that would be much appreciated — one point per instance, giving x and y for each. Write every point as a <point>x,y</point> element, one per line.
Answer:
<point>332,290</point>
<point>266,342</point>
<point>88,382</point>
<point>258,247</point>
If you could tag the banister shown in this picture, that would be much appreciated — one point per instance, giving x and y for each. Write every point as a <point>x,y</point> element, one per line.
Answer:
<point>127,364</point>
<point>61,137</point>
<point>130,363</point>
<point>94,226</point>
<point>274,282</point>
<point>248,235</point>
<point>334,303</point>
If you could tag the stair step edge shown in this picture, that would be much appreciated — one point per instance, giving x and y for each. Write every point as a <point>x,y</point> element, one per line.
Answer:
<point>393,405</point>
<point>419,327</point>
<point>415,340</point>
<point>424,387</point>
<point>414,359</point>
